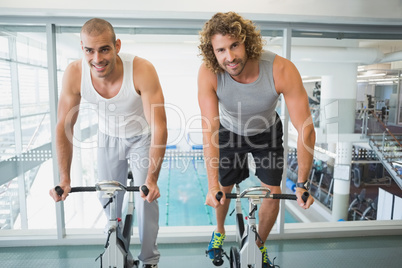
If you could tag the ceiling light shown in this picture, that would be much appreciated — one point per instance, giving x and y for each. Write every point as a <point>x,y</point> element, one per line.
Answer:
<point>312,34</point>
<point>371,75</point>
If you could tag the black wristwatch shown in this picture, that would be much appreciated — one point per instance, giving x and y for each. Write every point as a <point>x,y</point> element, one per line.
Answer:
<point>304,185</point>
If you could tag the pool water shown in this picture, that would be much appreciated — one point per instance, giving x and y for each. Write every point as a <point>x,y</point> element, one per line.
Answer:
<point>183,186</point>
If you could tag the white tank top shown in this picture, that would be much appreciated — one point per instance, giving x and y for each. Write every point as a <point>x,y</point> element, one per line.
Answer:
<point>123,115</point>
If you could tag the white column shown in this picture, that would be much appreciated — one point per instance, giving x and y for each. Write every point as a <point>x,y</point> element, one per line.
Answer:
<point>287,35</point>
<point>53,101</point>
<point>338,98</point>
<point>340,201</point>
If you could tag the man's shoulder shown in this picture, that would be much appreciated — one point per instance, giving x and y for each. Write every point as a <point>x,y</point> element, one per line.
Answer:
<point>142,65</point>
<point>72,75</point>
<point>75,65</point>
<point>207,79</point>
<point>206,73</point>
<point>74,68</point>
<point>267,55</point>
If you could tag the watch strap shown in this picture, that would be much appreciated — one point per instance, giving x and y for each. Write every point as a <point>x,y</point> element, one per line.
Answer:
<point>304,185</point>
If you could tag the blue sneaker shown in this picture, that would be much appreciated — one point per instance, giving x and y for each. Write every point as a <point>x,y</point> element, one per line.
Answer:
<point>266,262</point>
<point>215,245</point>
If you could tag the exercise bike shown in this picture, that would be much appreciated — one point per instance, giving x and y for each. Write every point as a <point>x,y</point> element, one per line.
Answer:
<point>116,252</point>
<point>247,254</point>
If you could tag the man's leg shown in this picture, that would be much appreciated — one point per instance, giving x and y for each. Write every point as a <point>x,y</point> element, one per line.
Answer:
<point>218,236</point>
<point>222,211</point>
<point>267,214</point>
<point>233,168</point>
<point>111,167</point>
<point>147,213</point>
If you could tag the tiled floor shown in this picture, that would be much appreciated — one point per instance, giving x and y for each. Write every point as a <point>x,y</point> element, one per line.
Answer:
<point>361,252</point>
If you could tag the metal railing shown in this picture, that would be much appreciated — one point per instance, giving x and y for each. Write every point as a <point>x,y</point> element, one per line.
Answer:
<point>388,148</point>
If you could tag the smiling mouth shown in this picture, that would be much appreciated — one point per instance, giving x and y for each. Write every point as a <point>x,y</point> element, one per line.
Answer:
<point>232,65</point>
<point>99,68</point>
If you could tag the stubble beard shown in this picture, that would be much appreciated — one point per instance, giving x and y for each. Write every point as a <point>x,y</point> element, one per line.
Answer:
<point>238,70</point>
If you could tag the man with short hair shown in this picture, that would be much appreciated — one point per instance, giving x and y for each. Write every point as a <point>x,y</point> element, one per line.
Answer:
<point>132,124</point>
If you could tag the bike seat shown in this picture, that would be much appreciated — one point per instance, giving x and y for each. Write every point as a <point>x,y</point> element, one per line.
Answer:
<point>109,187</point>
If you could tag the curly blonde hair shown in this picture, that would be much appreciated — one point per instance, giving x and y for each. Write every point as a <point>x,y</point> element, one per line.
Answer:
<point>237,27</point>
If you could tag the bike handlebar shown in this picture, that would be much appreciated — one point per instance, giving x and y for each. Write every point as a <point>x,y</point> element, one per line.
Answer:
<point>60,191</point>
<point>305,196</point>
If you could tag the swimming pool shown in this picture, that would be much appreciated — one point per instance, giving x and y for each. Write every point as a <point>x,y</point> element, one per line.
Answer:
<point>183,186</point>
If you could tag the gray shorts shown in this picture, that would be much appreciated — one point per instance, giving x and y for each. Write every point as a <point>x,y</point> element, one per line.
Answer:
<point>116,154</point>
<point>114,157</point>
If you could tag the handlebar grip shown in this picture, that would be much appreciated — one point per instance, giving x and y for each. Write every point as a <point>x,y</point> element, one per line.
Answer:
<point>132,188</point>
<point>59,190</point>
<point>305,196</point>
<point>219,196</point>
<point>284,196</point>
<point>83,189</point>
<point>145,190</point>
<point>231,196</point>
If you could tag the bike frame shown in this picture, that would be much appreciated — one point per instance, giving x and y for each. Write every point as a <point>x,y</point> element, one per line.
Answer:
<point>117,253</point>
<point>247,254</point>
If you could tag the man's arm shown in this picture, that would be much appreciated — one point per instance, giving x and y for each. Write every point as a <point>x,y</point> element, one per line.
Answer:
<point>208,102</point>
<point>288,82</point>
<point>147,82</point>
<point>67,114</point>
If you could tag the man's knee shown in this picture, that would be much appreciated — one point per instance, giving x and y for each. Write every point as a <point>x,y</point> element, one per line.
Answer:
<point>227,189</point>
<point>273,189</point>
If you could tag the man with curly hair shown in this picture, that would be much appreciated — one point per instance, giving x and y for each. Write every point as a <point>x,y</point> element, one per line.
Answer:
<point>239,84</point>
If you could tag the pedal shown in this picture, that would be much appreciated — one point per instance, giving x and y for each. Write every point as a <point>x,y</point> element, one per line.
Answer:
<point>218,254</point>
<point>133,264</point>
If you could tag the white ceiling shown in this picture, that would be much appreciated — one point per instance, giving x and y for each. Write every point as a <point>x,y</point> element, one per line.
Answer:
<point>321,11</point>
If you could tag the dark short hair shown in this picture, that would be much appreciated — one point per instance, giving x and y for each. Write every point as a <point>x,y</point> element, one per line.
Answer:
<point>97,26</point>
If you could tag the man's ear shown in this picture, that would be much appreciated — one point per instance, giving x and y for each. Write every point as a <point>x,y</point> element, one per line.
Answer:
<point>118,45</point>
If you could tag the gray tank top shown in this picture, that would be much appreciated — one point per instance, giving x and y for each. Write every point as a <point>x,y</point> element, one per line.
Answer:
<point>248,109</point>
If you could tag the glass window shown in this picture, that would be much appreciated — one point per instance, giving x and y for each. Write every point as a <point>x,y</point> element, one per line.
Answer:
<point>352,89</point>
<point>7,139</point>
<point>25,156</point>
<point>352,80</point>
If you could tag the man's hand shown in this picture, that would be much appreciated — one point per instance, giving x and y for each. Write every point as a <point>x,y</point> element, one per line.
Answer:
<point>66,188</point>
<point>211,197</point>
<point>153,192</point>
<point>309,202</point>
